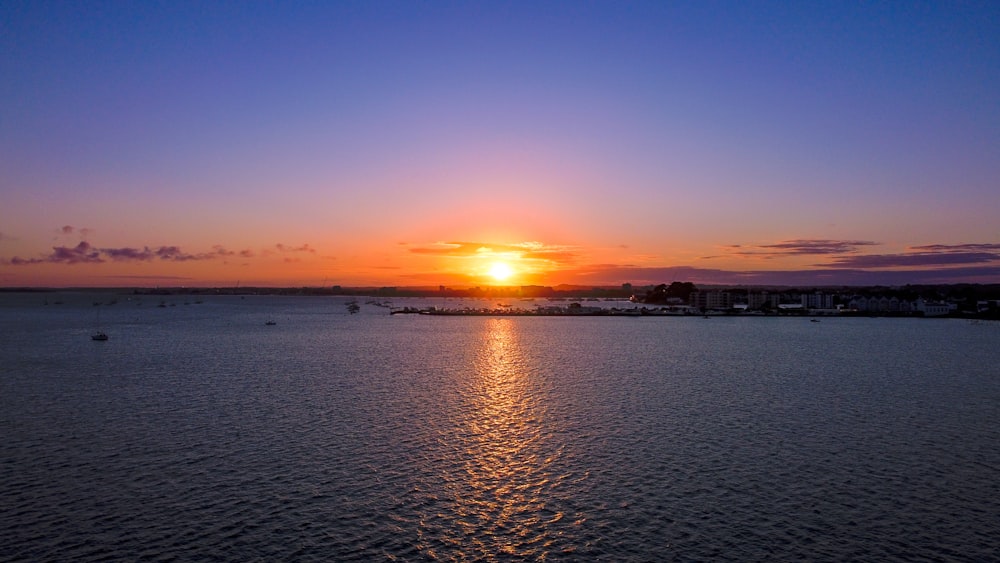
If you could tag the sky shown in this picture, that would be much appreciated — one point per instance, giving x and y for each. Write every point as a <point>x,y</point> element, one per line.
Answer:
<point>498,143</point>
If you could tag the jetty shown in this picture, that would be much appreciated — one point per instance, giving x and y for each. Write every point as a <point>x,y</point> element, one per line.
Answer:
<point>571,310</point>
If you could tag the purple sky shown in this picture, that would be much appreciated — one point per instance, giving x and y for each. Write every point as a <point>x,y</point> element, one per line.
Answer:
<point>356,142</point>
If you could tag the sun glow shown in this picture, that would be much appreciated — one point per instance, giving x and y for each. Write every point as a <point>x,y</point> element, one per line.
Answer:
<point>500,271</point>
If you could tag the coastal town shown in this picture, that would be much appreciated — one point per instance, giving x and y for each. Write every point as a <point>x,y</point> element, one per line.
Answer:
<point>715,303</point>
<point>685,298</point>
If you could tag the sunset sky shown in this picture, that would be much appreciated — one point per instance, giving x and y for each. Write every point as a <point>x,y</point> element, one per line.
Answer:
<point>423,143</point>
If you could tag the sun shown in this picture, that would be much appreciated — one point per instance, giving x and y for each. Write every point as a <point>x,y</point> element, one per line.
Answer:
<point>500,271</point>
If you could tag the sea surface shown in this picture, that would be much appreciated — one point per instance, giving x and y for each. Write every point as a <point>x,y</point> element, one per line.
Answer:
<point>198,432</point>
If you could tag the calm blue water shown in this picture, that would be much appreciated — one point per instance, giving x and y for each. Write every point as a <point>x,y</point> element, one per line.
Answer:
<point>197,432</point>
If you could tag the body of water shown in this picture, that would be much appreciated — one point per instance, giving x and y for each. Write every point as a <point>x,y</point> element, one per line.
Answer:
<point>199,432</point>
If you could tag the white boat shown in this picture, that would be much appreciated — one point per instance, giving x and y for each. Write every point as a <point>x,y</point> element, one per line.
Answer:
<point>100,334</point>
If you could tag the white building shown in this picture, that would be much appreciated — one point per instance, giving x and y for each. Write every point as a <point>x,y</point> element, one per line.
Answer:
<point>931,309</point>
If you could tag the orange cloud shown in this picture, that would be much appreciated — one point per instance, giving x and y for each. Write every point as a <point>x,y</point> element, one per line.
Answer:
<point>521,251</point>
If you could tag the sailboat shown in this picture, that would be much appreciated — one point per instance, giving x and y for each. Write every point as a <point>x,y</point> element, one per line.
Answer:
<point>100,334</point>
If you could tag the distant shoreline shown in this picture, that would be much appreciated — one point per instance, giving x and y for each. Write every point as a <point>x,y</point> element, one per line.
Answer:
<point>564,305</point>
<point>992,290</point>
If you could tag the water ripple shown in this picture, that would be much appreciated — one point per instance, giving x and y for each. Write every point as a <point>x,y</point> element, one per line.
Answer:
<point>339,437</point>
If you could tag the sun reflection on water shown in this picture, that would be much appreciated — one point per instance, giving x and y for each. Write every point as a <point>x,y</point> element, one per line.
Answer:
<point>504,475</point>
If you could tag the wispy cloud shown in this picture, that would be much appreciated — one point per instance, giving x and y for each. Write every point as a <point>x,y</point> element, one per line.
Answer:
<point>531,250</point>
<point>459,249</point>
<point>68,230</point>
<point>175,254</point>
<point>85,253</point>
<point>848,253</point>
<point>156,278</point>
<point>82,253</point>
<point>799,247</point>
<point>280,248</point>
<point>221,251</point>
<point>612,274</point>
<point>957,247</point>
<point>549,253</point>
<point>129,254</point>
<point>165,253</point>
<point>303,248</point>
<point>923,256</point>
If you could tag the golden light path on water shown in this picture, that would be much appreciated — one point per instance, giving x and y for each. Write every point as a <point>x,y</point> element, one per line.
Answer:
<point>505,475</point>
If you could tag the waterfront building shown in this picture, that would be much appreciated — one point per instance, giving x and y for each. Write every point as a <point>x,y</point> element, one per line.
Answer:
<point>817,300</point>
<point>932,309</point>
<point>712,300</point>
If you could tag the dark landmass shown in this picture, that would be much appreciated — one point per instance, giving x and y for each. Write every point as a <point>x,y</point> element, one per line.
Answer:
<point>474,292</point>
<point>961,300</point>
<point>647,294</point>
